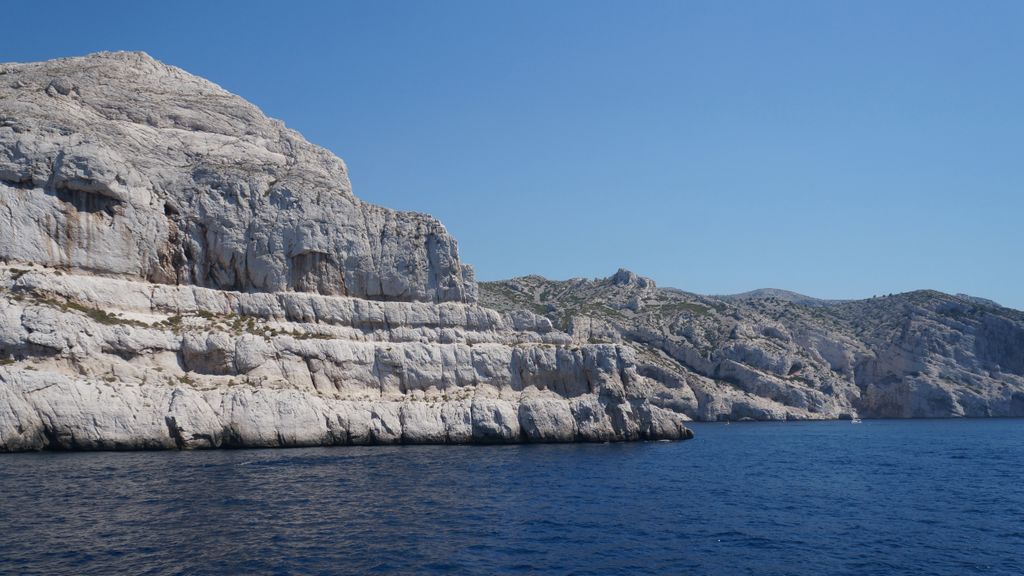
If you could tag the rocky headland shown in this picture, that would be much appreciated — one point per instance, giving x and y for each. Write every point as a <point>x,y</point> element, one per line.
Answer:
<point>180,271</point>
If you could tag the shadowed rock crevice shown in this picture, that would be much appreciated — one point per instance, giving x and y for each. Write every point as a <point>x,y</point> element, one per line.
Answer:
<point>85,202</point>
<point>312,271</point>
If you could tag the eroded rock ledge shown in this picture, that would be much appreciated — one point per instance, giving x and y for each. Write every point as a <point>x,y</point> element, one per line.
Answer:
<point>99,363</point>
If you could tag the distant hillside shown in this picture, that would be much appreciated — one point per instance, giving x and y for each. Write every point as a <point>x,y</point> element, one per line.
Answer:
<point>783,295</point>
<point>773,354</point>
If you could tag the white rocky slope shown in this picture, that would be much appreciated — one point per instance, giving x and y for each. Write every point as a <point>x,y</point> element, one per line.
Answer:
<point>120,165</point>
<point>771,355</point>
<point>180,271</point>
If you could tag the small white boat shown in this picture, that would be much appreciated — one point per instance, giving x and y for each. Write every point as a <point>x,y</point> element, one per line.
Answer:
<point>856,421</point>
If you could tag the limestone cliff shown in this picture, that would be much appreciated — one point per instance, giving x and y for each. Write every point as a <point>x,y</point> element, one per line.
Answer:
<point>119,165</point>
<point>772,354</point>
<point>181,271</point>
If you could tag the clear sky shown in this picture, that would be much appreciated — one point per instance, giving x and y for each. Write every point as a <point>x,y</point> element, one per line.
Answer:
<point>837,148</point>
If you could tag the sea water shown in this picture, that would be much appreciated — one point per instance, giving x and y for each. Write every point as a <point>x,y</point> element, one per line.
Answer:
<point>881,497</point>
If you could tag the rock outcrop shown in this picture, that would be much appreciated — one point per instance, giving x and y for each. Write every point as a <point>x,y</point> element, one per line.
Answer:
<point>775,355</point>
<point>119,165</point>
<point>182,272</point>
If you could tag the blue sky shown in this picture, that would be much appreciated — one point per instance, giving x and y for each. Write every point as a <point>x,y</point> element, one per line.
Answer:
<point>839,149</point>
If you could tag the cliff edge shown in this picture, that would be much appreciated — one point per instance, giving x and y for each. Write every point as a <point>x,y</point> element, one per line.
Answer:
<point>180,271</point>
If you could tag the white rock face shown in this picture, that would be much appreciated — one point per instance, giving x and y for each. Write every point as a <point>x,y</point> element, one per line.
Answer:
<point>100,363</point>
<point>182,272</point>
<point>118,164</point>
<point>777,355</point>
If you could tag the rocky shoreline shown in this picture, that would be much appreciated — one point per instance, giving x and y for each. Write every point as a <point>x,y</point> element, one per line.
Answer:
<point>99,363</point>
<point>180,271</point>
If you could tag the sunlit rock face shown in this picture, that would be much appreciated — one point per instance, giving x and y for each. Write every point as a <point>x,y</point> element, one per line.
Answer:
<point>182,272</point>
<point>118,164</point>
<point>777,355</point>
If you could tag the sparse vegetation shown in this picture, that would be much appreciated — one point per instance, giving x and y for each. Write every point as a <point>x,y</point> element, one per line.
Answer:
<point>310,335</point>
<point>674,308</point>
<point>173,321</point>
<point>98,315</point>
<point>94,314</point>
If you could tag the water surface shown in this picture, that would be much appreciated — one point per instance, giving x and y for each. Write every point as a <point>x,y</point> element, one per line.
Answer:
<point>882,497</point>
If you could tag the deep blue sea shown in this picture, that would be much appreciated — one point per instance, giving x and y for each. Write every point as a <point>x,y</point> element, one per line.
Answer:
<point>882,497</point>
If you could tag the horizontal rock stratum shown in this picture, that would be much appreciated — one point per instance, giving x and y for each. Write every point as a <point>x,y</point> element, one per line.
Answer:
<point>180,271</point>
<point>777,355</point>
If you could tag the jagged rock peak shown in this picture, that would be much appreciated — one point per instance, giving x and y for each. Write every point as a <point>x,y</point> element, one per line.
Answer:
<point>116,164</point>
<point>625,277</point>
